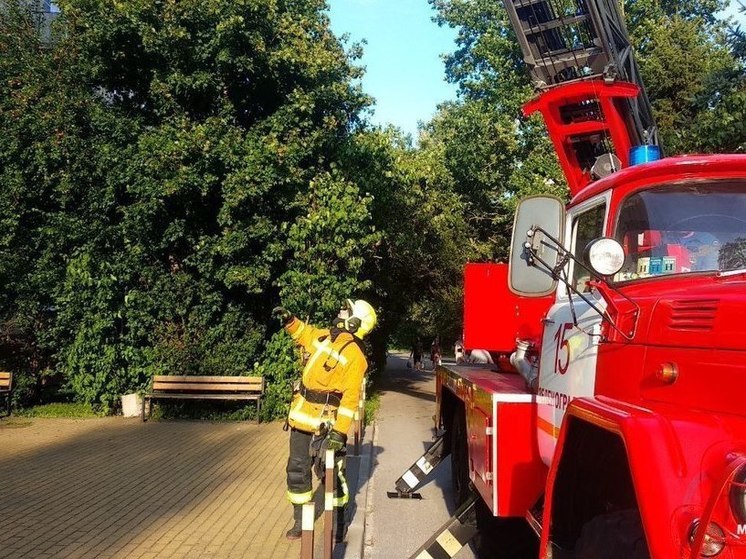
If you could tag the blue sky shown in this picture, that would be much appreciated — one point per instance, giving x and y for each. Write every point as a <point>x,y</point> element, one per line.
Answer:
<point>404,71</point>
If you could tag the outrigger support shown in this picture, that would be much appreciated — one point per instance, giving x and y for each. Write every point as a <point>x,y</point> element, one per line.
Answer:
<point>453,535</point>
<point>418,471</point>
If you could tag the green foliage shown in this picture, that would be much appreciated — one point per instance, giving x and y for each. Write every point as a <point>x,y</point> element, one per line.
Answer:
<point>171,172</point>
<point>494,155</point>
<point>487,63</point>
<point>329,245</point>
<point>280,366</point>
<point>57,409</point>
<point>422,244</point>
<point>695,80</point>
<point>490,156</point>
<point>372,404</point>
<point>205,410</point>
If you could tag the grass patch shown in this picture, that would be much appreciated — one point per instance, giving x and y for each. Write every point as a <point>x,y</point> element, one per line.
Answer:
<point>13,423</point>
<point>372,403</point>
<point>59,409</point>
<point>204,411</point>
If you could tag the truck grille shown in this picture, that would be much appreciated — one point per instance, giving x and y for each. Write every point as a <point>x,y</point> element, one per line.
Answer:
<point>693,316</point>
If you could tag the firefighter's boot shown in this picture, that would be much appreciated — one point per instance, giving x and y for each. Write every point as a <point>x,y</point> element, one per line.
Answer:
<point>340,530</point>
<point>297,528</point>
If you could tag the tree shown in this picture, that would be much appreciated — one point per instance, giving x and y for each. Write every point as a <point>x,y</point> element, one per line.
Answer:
<point>692,74</point>
<point>172,172</point>
<point>422,241</point>
<point>492,156</point>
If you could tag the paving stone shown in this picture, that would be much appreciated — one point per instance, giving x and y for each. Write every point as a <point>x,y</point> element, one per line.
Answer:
<point>119,488</point>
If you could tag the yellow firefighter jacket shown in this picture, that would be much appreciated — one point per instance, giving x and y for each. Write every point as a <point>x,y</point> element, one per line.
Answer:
<point>332,378</point>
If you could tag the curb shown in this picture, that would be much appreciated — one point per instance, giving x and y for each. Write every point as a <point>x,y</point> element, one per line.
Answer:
<point>355,540</point>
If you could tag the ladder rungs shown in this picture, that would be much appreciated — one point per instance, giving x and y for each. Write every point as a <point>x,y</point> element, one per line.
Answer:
<point>536,28</point>
<point>580,55</point>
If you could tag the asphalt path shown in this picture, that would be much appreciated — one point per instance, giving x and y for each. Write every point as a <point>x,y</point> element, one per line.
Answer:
<point>396,528</point>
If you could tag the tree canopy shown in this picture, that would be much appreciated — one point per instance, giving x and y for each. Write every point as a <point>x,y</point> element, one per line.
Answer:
<point>172,170</point>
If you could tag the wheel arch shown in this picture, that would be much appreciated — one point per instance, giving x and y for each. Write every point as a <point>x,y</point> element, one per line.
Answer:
<point>666,458</point>
<point>585,487</point>
<point>449,406</point>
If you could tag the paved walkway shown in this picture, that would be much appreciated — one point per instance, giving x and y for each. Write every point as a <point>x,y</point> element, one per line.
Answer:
<point>396,528</point>
<point>120,488</point>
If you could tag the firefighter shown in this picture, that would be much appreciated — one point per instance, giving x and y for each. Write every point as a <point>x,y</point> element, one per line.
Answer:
<point>324,404</point>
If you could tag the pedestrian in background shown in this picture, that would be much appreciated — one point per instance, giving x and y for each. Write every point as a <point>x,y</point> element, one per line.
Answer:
<point>435,352</point>
<point>416,354</point>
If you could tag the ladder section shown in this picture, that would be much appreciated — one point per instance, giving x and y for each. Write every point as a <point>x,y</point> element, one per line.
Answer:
<point>453,535</point>
<point>567,41</point>
<point>558,39</point>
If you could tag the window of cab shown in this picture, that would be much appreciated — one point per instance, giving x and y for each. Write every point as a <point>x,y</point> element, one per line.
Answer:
<point>586,225</point>
<point>683,228</point>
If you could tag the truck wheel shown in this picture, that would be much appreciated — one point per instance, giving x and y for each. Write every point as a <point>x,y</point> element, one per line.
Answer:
<point>459,459</point>
<point>617,535</point>
<point>503,538</point>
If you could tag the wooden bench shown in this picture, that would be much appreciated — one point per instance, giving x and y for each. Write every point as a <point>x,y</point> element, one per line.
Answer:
<point>6,389</point>
<point>171,387</point>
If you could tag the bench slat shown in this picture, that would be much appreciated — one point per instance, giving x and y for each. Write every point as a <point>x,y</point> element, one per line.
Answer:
<point>182,396</point>
<point>193,387</point>
<point>207,379</point>
<point>187,386</point>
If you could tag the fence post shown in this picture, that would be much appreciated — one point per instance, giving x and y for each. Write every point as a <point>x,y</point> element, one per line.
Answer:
<point>306,539</point>
<point>359,419</point>
<point>364,392</point>
<point>329,506</point>
<point>356,443</point>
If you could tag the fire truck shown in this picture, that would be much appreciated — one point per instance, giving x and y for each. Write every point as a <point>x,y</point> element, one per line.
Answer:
<point>610,424</point>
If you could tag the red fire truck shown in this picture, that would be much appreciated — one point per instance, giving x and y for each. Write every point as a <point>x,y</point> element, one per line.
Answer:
<point>611,422</point>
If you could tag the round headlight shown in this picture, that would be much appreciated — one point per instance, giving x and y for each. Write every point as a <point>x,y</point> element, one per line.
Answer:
<point>738,495</point>
<point>713,542</point>
<point>605,256</point>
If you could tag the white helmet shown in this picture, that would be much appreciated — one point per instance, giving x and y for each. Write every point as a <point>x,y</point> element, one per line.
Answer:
<point>357,317</point>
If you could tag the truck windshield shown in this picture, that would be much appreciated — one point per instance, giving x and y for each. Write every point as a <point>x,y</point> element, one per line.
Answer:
<point>682,228</point>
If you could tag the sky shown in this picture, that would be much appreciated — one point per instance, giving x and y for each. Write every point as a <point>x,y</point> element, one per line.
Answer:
<point>404,69</point>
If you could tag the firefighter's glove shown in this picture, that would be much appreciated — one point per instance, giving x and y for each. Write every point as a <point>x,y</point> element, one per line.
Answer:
<point>317,451</point>
<point>282,314</point>
<point>336,441</point>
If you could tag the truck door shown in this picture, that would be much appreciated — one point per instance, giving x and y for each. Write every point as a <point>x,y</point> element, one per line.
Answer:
<point>567,368</point>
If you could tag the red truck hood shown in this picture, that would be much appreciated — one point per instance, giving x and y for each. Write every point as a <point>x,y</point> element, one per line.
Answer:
<point>696,312</point>
<point>699,326</point>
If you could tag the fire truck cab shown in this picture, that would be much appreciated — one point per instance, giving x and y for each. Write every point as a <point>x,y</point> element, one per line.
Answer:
<point>613,419</point>
<point>611,422</point>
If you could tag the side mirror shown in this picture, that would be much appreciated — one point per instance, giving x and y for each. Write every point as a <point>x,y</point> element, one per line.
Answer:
<point>605,256</point>
<point>527,276</point>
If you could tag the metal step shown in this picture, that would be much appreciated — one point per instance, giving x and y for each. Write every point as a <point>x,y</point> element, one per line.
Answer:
<point>535,515</point>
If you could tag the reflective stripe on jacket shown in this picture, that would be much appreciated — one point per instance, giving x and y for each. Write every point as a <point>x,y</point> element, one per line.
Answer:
<point>337,366</point>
